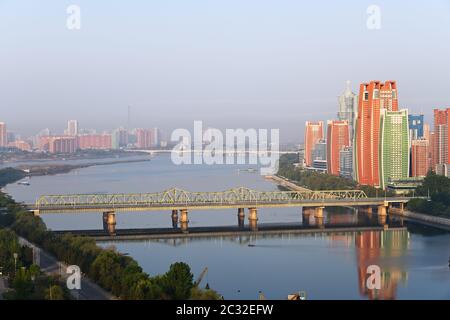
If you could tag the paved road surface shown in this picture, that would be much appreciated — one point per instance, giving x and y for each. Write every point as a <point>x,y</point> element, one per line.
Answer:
<point>51,266</point>
<point>2,287</point>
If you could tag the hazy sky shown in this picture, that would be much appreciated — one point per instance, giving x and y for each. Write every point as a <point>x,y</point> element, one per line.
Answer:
<point>231,63</point>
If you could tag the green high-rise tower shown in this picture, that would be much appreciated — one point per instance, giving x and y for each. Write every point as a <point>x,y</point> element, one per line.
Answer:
<point>394,146</point>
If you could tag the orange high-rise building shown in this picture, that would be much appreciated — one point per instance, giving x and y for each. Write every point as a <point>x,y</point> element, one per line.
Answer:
<point>337,139</point>
<point>373,97</point>
<point>313,133</point>
<point>144,138</point>
<point>44,143</point>
<point>95,141</point>
<point>62,144</point>
<point>389,96</point>
<point>419,157</point>
<point>431,153</point>
<point>441,143</point>
<point>21,145</point>
<point>426,131</point>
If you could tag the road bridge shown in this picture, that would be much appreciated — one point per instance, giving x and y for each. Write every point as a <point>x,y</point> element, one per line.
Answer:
<point>180,201</point>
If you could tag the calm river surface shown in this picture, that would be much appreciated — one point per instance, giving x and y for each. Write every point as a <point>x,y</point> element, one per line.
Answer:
<point>413,261</point>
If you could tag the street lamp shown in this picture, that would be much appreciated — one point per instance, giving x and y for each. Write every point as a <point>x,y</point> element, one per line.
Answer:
<point>15,255</point>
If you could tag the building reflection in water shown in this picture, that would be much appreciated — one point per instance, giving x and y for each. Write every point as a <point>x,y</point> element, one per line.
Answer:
<point>384,248</point>
<point>375,248</point>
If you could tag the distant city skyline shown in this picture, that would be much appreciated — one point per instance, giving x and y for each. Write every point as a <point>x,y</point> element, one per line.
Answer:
<point>231,64</point>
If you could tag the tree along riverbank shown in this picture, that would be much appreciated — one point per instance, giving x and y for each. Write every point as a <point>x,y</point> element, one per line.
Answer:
<point>435,186</point>
<point>438,189</point>
<point>322,181</point>
<point>21,278</point>
<point>119,274</point>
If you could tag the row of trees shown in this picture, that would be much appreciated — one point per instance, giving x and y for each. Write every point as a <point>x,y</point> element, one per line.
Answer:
<point>117,273</point>
<point>321,181</point>
<point>435,186</point>
<point>25,279</point>
<point>438,188</point>
<point>10,175</point>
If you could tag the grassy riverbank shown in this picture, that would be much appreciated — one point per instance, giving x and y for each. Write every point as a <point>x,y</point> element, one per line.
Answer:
<point>49,169</point>
<point>18,155</point>
<point>11,175</point>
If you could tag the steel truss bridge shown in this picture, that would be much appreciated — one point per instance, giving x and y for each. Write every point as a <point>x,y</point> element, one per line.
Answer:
<point>174,198</point>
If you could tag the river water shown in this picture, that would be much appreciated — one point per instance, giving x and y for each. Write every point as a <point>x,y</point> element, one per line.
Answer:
<point>413,261</point>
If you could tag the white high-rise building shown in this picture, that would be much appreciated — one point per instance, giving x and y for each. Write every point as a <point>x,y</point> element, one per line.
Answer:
<point>72,127</point>
<point>3,135</point>
<point>156,137</point>
<point>348,106</point>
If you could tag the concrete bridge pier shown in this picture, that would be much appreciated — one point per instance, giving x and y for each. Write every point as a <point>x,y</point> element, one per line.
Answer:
<point>109,222</point>
<point>382,215</point>
<point>184,221</point>
<point>306,213</point>
<point>367,210</point>
<point>382,220</point>
<point>318,216</point>
<point>397,208</point>
<point>175,218</point>
<point>382,210</point>
<point>253,219</point>
<point>241,217</point>
<point>319,222</point>
<point>318,212</point>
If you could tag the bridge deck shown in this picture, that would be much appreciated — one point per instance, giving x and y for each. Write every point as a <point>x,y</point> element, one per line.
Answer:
<point>174,199</point>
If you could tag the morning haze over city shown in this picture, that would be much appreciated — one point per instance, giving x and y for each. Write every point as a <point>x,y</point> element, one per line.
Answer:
<point>243,152</point>
<point>232,64</point>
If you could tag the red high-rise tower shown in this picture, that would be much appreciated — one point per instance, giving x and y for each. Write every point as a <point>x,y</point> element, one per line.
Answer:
<point>441,142</point>
<point>313,133</point>
<point>337,139</point>
<point>419,157</point>
<point>373,96</point>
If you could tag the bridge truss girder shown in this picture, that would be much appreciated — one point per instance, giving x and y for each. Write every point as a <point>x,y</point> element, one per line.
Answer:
<point>175,196</point>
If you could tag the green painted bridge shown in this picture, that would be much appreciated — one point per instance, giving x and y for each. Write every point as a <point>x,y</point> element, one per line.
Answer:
<point>181,199</point>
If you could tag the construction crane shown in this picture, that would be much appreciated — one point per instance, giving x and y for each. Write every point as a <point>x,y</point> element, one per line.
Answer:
<point>200,278</point>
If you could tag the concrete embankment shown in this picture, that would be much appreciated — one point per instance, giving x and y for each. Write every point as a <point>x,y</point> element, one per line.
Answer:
<point>438,222</point>
<point>281,181</point>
